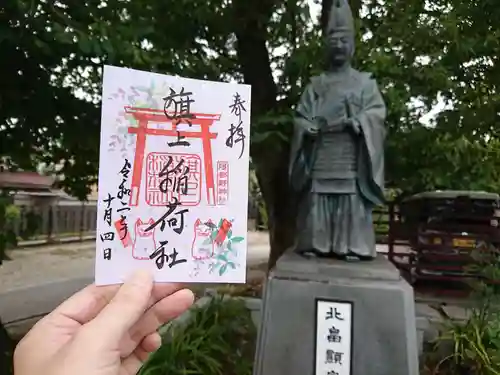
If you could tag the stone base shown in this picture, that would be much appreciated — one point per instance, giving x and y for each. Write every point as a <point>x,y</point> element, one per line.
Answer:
<point>384,338</point>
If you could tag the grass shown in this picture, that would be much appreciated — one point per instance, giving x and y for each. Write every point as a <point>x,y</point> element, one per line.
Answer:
<point>252,289</point>
<point>218,339</point>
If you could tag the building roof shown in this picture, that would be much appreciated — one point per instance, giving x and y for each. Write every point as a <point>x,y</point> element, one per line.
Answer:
<point>25,180</point>
<point>45,193</point>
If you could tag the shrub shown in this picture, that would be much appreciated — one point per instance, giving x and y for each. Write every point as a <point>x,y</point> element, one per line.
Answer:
<point>473,346</point>
<point>8,215</point>
<point>218,339</point>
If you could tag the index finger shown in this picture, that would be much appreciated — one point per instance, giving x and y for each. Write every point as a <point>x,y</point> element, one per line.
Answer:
<point>86,304</point>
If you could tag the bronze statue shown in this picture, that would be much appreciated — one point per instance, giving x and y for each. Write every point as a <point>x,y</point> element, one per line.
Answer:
<point>337,152</point>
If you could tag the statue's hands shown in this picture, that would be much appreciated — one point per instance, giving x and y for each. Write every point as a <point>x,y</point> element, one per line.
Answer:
<point>335,127</point>
<point>353,125</point>
<point>310,128</point>
<point>320,122</point>
<point>313,131</point>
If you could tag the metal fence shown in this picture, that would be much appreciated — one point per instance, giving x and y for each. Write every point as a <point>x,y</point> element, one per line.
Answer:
<point>435,259</point>
<point>398,241</point>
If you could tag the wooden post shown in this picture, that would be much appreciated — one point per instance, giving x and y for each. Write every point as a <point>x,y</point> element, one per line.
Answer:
<point>55,224</point>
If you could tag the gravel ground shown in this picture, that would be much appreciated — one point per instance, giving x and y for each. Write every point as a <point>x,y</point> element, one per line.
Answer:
<point>39,265</point>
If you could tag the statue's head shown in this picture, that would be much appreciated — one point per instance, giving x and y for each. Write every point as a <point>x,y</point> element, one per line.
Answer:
<point>340,34</point>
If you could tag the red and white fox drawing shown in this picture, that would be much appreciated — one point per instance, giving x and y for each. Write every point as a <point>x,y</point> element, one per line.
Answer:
<point>201,248</point>
<point>144,242</point>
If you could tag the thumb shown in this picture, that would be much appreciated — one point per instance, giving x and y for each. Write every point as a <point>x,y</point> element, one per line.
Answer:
<point>125,309</point>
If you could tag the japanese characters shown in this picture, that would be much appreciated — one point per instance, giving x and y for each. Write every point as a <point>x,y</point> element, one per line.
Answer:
<point>236,132</point>
<point>172,173</point>
<point>333,337</point>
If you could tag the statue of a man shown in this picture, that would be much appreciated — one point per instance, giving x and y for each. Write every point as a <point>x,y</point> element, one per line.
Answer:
<point>337,153</point>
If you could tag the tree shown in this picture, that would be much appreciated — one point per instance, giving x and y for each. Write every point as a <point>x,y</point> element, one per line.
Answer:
<point>52,52</point>
<point>415,49</point>
<point>447,49</point>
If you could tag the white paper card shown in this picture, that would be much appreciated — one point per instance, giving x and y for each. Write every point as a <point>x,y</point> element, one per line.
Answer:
<point>333,337</point>
<point>173,178</point>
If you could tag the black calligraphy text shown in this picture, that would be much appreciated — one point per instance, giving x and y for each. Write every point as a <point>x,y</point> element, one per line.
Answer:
<point>121,194</point>
<point>236,134</point>
<point>334,335</point>
<point>176,223</point>
<point>108,211</point>
<point>161,257</point>
<point>179,141</point>
<point>110,236</point>
<point>334,357</point>
<point>181,102</point>
<point>107,254</point>
<point>333,313</point>
<point>174,177</point>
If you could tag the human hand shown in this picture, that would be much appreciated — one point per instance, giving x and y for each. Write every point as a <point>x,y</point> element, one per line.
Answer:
<point>106,330</point>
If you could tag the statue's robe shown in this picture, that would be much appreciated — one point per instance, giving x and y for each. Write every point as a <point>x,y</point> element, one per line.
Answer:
<point>339,176</point>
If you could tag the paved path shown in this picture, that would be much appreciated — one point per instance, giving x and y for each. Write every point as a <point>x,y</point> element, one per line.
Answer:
<point>34,266</point>
<point>39,265</point>
<point>37,279</point>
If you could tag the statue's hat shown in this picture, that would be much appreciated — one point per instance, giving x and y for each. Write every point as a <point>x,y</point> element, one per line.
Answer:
<point>341,18</point>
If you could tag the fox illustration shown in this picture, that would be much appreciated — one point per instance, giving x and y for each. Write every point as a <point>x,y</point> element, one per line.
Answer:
<point>202,248</point>
<point>144,242</point>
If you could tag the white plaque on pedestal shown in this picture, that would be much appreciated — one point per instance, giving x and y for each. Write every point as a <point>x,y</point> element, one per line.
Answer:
<point>333,337</point>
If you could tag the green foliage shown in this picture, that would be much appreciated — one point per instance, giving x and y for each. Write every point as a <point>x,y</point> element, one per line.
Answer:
<point>33,221</point>
<point>226,249</point>
<point>445,49</point>
<point>219,339</point>
<point>9,214</point>
<point>425,51</point>
<point>473,346</point>
<point>55,53</point>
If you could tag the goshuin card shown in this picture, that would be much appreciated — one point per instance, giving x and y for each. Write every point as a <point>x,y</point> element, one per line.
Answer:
<point>173,178</point>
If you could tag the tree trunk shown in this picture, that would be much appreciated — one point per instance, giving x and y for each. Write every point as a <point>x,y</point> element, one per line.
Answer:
<point>250,24</point>
<point>326,5</point>
<point>281,211</point>
<point>271,162</point>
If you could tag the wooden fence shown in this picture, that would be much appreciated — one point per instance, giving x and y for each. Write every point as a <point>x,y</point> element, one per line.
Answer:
<point>74,221</point>
<point>66,221</point>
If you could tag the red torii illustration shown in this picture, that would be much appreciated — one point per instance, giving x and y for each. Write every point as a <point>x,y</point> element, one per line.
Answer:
<point>146,115</point>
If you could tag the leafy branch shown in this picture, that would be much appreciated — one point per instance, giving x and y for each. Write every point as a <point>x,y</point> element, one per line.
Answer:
<point>226,246</point>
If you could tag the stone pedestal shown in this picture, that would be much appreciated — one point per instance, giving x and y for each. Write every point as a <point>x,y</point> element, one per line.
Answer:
<point>382,338</point>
